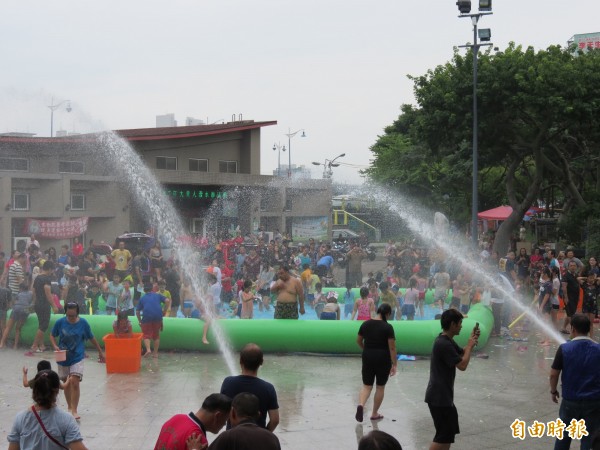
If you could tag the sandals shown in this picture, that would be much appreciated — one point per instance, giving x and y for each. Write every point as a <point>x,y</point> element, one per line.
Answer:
<point>377,417</point>
<point>359,413</point>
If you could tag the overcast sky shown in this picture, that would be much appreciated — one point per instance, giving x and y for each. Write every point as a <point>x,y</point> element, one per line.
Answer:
<point>336,68</point>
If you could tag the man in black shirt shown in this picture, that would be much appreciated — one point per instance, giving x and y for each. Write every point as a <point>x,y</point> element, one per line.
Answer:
<point>245,434</point>
<point>446,357</point>
<point>570,286</point>
<point>251,358</point>
<point>43,304</point>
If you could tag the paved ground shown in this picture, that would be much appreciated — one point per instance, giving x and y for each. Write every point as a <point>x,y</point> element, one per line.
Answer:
<point>317,395</point>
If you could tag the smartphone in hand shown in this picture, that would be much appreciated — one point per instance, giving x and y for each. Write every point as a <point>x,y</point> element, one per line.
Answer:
<point>476,330</point>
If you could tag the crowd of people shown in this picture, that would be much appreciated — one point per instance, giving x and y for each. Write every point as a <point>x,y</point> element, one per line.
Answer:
<point>243,405</point>
<point>281,275</point>
<point>242,274</point>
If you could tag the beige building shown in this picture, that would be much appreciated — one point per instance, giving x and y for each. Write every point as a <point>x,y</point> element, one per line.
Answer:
<point>210,172</point>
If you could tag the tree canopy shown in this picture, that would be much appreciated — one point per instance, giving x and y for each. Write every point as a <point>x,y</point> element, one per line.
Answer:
<point>539,117</point>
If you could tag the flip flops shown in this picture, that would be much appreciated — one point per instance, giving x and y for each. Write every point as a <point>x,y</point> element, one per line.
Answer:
<point>377,417</point>
<point>359,413</point>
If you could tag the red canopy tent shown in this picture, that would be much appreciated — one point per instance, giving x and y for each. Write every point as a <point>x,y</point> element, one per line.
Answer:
<point>499,213</point>
<point>502,213</point>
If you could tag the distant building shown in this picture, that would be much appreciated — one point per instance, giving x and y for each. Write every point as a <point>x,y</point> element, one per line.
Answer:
<point>190,121</point>
<point>62,187</point>
<point>298,172</point>
<point>166,120</point>
<point>586,41</point>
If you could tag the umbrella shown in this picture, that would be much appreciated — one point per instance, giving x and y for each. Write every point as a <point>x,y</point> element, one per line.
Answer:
<point>139,241</point>
<point>133,236</point>
<point>101,249</point>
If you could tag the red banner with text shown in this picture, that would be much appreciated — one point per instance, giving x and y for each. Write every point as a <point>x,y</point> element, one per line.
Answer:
<point>56,229</point>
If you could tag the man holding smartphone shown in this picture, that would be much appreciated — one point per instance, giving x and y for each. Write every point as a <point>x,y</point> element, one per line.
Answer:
<point>446,357</point>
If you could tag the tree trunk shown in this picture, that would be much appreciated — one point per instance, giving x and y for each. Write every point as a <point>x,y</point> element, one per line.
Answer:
<point>510,225</point>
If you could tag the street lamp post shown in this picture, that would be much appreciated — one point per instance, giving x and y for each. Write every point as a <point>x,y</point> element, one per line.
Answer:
<point>53,107</point>
<point>278,148</point>
<point>485,8</point>
<point>290,135</point>
<point>328,164</point>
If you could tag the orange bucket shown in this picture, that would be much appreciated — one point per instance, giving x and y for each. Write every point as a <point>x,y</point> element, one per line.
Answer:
<point>123,355</point>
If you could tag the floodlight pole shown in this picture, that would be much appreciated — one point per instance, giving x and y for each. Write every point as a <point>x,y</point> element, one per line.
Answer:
<point>290,135</point>
<point>53,107</point>
<point>474,204</point>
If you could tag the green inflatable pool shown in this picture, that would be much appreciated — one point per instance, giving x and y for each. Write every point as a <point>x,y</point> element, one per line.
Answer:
<point>310,336</point>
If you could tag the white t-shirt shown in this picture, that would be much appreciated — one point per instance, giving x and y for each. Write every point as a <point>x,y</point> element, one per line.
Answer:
<point>217,273</point>
<point>215,291</point>
<point>555,288</point>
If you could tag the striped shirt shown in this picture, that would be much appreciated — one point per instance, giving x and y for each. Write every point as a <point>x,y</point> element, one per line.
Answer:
<point>15,277</point>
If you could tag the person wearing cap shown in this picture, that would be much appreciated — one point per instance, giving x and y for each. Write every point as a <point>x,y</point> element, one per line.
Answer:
<point>245,434</point>
<point>150,311</point>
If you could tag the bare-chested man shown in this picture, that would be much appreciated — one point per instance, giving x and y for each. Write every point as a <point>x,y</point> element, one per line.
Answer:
<point>289,294</point>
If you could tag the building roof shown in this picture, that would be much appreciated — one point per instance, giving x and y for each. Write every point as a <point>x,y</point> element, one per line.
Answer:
<point>152,134</point>
<point>143,134</point>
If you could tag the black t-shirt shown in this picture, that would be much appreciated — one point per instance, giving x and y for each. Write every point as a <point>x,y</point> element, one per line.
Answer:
<point>446,354</point>
<point>246,436</point>
<point>557,364</point>
<point>84,268</point>
<point>376,334</point>
<point>265,392</point>
<point>136,264</point>
<point>572,286</point>
<point>171,280</point>
<point>38,287</point>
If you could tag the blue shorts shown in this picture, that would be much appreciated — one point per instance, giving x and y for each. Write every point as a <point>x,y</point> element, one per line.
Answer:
<point>328,316</point>
<point>408,310</point>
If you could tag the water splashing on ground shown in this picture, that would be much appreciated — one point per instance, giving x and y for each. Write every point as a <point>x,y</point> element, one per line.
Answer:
<point>149,194</point>
<point>420,221</point>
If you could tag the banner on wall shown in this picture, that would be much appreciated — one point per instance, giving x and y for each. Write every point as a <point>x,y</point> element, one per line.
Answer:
<point>310,227</point>
<point>56,229</point>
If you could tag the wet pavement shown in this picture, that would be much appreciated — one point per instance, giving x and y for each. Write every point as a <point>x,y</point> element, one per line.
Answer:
<point>317,397</point>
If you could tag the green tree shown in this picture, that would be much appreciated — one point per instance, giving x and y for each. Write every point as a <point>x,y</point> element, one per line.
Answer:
<point>538,119</point>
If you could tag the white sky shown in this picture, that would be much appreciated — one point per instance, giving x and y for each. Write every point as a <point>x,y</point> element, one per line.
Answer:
<point>336,68</point>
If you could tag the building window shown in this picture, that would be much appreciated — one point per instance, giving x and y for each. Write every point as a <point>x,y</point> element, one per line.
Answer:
<point>166,162</point>
<point>288,204</point>
<point>71,167</point>
<point>16,164</point>
<point>198,165</point>
<point>228,166</point>
<point>264,203</point>
<point>77,202</point>
<point>20,202</point>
